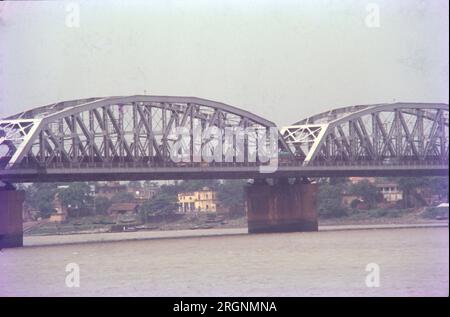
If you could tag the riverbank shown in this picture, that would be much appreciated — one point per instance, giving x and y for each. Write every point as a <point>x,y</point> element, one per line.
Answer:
<point>49,240</point>
<point>105,224</point>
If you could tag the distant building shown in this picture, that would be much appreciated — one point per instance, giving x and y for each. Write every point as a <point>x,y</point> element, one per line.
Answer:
<point>198,201</point>
<point>357,179</point>
<point>110,189</point>
<point>145,192</point>
<point>390,191</point>
<point>123,209</point>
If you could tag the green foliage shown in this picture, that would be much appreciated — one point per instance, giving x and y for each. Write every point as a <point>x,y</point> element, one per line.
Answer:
<point>231,195</point>
<point>76,195</point>
<point>330,201</point>
<point>193,185</point>
<point>379,213</point>
<point>45,211</point>
<point>355,203</point>
<point>161,204</point>
<point>436,212</point>
<point>376,213</point>
<point>40,196</point>
<point>338,180</point>
<point>122,197</point>
<point>101,205</point>
<point>439,186</point>
<point>367,191</point>
<point>412,185</point>
<point>389,213</point>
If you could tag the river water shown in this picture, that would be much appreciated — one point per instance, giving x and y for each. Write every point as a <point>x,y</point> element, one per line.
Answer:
<point>411,262</point>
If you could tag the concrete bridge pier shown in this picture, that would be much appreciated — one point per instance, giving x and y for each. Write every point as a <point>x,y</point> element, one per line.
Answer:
<point>11,228</point>
<point>281,206</point>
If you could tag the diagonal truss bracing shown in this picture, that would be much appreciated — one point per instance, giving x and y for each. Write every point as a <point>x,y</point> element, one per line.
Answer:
<point>386,133</point>
<point>137,129</point>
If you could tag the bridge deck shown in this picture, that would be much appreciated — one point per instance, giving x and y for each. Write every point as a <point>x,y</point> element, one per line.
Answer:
<point>130,171</point>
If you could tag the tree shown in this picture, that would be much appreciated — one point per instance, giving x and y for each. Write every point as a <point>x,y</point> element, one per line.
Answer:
<point>330,200</point>
<point>41,196</point>
<point>339,180</point>
<point>355,202</point>
<point>367,191</point>
<point>76,197</point>
<point>197,184</point>
<point>439,186</point>
<point>409,186</point>
<point>122,197</point>
<point>231,195</point>
<point>162,204</point>
<point>101,205</point>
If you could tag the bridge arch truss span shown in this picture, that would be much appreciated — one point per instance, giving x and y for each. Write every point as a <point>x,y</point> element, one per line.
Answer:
<point>138,129</point>
<point>383,133</point>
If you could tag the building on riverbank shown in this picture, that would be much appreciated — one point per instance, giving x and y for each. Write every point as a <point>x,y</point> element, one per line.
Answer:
<point>204,200</point>
<point>141,193</point>
<point>390,191</point>
<point>128,209</point>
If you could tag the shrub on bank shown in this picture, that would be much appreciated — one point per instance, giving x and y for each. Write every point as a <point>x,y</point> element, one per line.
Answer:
<point>377,213</point>
<point>388,213</point>
<point>435,213</point>
<point>333,212</point>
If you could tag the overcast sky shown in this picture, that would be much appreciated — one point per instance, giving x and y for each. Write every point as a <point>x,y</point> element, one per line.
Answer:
<point>283,60</point>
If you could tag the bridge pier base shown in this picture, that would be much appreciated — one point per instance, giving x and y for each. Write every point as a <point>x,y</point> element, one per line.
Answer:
<point>11,227</point>
<point>281,207</point>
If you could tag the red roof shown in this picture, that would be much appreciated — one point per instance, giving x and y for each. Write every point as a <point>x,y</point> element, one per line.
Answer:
<point>123,207</point>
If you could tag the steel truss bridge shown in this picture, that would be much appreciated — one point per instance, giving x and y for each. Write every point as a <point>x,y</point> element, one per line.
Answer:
<point>131,137</point>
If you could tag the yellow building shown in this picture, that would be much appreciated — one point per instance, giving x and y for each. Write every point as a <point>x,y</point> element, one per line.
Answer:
<point>199,201</point>
<point>390,191</point>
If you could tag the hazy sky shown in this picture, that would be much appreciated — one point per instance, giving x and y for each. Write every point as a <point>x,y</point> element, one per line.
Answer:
<point>283,60</point>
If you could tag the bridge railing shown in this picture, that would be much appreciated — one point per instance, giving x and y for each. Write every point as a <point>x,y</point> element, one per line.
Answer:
<point>376,163</point>
<point>205,165</point>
